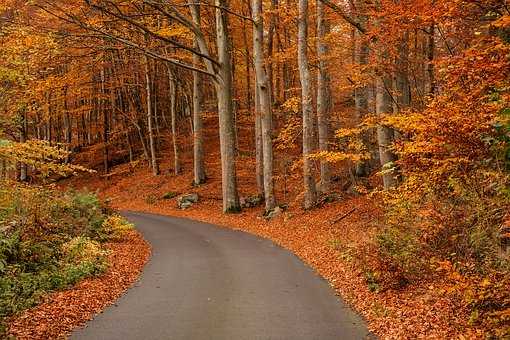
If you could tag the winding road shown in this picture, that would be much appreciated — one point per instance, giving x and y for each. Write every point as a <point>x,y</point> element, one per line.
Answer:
<point>207,282</point>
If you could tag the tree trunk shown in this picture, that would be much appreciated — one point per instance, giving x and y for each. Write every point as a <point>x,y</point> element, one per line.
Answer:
<point>259,156</point>
<point>225,110</point>
<point>310,198</point>
<point>361,92</point>
<point>270,43</point>
<point>68,127</point>
<point>173,116</point>
<point>152,144</point>
<point>105,123</point>
<point>264,96</point>
<point>23,174</point>
<point>198,143</point>
<point>142,141</point>
<point>248,67</point>
<point>430,58</point>
<point>385,134</point>
<point>323,95</point>
<point>198,148</point>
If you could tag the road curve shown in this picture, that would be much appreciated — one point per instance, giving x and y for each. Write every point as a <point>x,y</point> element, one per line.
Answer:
<point>206,282</point>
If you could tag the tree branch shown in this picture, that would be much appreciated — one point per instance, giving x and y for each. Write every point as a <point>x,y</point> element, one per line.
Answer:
<point>340,11</point>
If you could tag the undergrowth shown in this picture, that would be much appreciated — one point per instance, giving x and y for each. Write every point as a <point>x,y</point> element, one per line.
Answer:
<point>455,238</point>
<point>49,240</point>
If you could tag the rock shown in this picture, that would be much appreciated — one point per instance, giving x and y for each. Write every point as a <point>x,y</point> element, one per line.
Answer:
<point>187,200</point>
<point>274,213</point>
<point>185,205</point>
<point>250,202</point>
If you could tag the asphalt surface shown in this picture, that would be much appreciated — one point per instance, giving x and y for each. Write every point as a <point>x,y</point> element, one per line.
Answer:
<point>207,282</point>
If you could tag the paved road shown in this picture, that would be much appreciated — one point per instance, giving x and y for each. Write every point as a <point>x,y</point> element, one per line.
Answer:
<point>205,282</point>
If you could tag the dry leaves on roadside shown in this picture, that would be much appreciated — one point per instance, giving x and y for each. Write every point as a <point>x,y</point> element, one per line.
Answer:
<point>61,312</point>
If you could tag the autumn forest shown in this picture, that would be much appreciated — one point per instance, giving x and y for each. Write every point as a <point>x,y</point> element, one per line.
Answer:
<point>371,138</point>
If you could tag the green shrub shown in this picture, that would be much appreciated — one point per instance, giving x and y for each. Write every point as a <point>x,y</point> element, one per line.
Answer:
<point>49,240</point>
<point>402,251</point>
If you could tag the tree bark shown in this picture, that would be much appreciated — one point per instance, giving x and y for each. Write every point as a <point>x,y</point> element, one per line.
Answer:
<point>310,198</point>
<point>248,67</point>
<point>361,92</point>
<point>264,96</point>
<point>105,123</point>
<point>259,156</point>
<point>431,90</point>
<point>385,134</point>
<point>23,174</point>
<point>402,84</point>
<point>152,144</point>
<point>198,148</point>
<point>323,95</point>
<point>225,110</point>
<point>173,118</point>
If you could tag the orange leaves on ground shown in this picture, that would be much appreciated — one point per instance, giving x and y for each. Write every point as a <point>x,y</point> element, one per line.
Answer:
<point>61,312</point>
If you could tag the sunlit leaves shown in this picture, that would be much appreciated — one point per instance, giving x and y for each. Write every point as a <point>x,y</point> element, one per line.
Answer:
<point>45,158</point>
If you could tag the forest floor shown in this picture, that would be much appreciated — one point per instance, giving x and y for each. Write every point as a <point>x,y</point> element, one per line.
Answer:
<point>63,311</point>
<point>324,238</point>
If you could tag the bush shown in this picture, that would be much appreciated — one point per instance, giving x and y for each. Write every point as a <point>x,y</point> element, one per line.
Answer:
<point>401,252</point>
<point>116,226</point>
<point>82,249</point>
<point>50,240</point>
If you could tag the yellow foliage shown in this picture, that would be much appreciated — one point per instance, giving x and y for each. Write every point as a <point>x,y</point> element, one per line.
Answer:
<point>292,104</point>
<point>289,134</point>
<point>39,154</point>
<point>176,31</point>
<point>335,156</point>
<point>116,226</point>
<point>82,249</point>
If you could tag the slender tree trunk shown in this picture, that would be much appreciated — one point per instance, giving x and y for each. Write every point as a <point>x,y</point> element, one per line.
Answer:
<point>430,58</point>
<point>259,156</point>
<point>323,95</point>
<point>142,141</point>
<point>130,147</point>
<point>361,92</point>
<point>68,126</point>
<point>105,123</point>
<point>264,97</point>
<point>23,174</point>
<point>310,198</point>
<point>38,133</point>
<point>152,144</point>
<point>270,43</point>
<point>198,125</point>
<point>173,116</point>
<point>49,130</point>
<point>225,109</point>
<point>248,67</point>
<point>402,84</point>
<point>156,110</point>
<point>89,121</point>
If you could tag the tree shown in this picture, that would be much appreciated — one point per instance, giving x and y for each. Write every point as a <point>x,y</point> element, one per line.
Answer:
<point>307,108</point>
<point>264,97</point>
<point>225,109</point>
<point>198,149</point>
<point>172,83</point>
<point>150,120</point>
<point>323,94</point>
